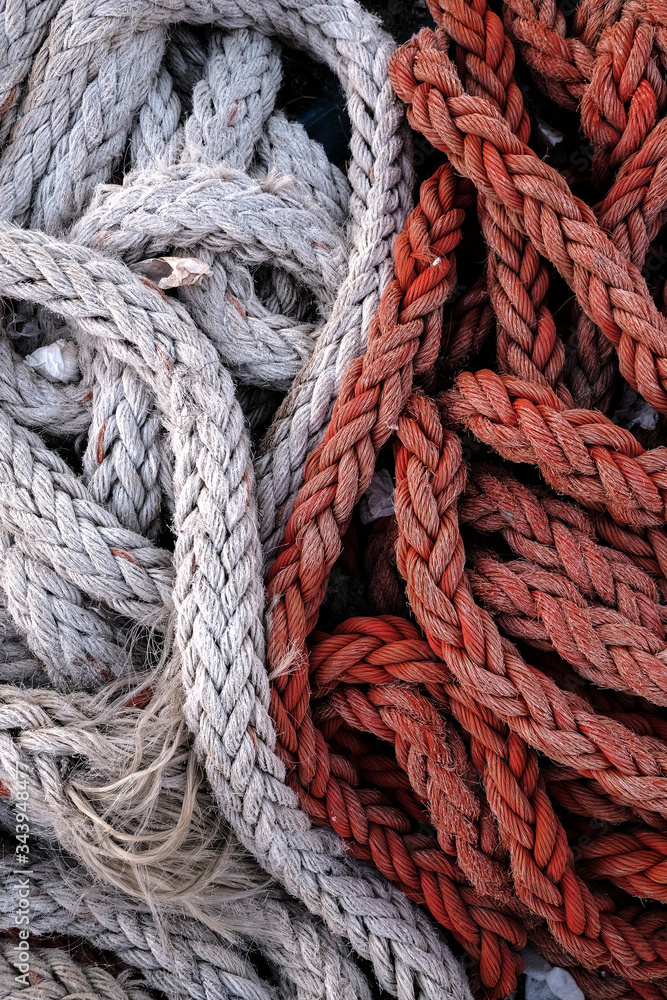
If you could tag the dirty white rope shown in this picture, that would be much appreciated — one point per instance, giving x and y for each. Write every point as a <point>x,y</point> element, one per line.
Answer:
<point>218,597</point>
<point>168,855</point>
<point>54,975</point>
<point>183,957</point>
<point>253,213</point>
<point>75,119</point>
<point>180,955</point>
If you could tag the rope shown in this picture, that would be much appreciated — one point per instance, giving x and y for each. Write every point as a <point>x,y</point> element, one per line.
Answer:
<point>253,370</point>
<point>298,256</point>
<point>54,974</point>
<point>468,670</point>
<point>168,354</point>
<point>560,536</point>
<point>395,713</point>
<point>612,295</point>
<point>546,611</point>
<point>181,955</point>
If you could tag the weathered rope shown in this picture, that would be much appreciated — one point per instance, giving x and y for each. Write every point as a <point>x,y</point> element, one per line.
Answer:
<point>560,536</point>
<point>481,674</point>
<point>548,612</point>
<point>54,975</point>
<point>527,341</point>
<point>610,71</point>
<point>136,698</point>
<point>623,311</point>
<point>181,955</point>
<point>279,838</point>
<point>141,351</point>
<point>351,44</point>
<point>431,530</point>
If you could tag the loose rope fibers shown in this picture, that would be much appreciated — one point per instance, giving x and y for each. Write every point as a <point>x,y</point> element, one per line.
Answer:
<point>181,956</point>
<point>470,671</point>
<point>80,555</point>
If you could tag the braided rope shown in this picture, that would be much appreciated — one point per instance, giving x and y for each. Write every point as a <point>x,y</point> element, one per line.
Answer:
<point>371,397</point>
<point>350,42</point>
<point>145,352</point>
<point>291,710</point>
<point>612,293</point>
<point>162,345</point>
<point>528,345</point>
<point>381,651</point>
<point>53,974</point>
<point>610,71</point>
<point>364,651</point>
<point>429,544</point>
<point>374,730</point>
<point>181,955</point>
<point>621,78</point>
<point>560,536</point>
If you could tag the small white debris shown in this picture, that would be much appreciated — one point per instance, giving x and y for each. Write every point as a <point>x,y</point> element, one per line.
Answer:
<point>173,272</point>
<point>58,362</point>
<point>552,135</point>
<point>547,982</point>
<point>184,271</point>
<point>378,500</point>
<point>635,411</point>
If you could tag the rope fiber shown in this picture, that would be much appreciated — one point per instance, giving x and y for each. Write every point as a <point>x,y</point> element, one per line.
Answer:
<point>333,526</point>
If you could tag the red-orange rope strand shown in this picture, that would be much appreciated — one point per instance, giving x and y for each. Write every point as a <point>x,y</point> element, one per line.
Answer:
<point>560,536</point>
<point>579,452</point>
<point>404,337</point>
<point>535,200</point>
<point>364,651</point>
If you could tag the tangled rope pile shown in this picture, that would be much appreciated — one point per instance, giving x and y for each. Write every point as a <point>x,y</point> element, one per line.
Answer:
<point>483,759</point>
<point>125,640</point>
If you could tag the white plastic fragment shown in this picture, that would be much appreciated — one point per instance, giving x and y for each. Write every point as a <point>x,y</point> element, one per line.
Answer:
<point>635,411</point>
<point>547,982</point>
<point>378,500</point>
<point>58,362</point>
<point>552,135</point>
<point>173,272</point>
<point>184,271</point>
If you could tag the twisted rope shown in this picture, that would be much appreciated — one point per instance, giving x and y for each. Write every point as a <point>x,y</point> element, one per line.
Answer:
<point>612,294</point>
<point>160,342</point>
<point>182,956</point>
<point>528,344</point>
<point>53,974</point>
<point>433,572</point>
<point>146,352</point>
<point>375,731</point>
<point>560,536</point>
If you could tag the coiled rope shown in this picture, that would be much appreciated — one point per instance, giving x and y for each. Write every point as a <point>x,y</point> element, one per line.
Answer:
<point>153,729</point>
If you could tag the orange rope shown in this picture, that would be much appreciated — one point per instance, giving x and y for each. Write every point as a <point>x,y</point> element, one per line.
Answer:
<point>533,198</point>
